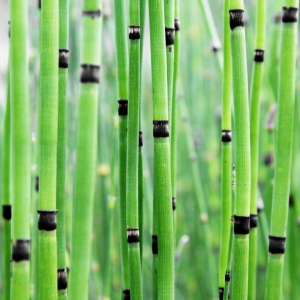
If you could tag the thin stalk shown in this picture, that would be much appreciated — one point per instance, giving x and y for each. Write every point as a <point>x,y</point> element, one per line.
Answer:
<point>6,191</point>
<point>61,148</point>
<point>133,229</point>
<point>20,148</point>
<point>86,153</point>
<point>122,74</point>
<point>283,153</point>
<point>226,150</point>
<point>242,150</point>
<point>254,140</point>
<point>162,202</point>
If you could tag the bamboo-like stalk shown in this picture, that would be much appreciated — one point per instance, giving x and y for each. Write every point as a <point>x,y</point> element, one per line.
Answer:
<point>242,150</point>
<point>226,150</point>
<point>283,153</point>
<point>86,153</point>
<point>6,190</point>
<point>162,204</point>
<point>254,140</point>
<point>133,238</point>
<point>61,148</point>
<point>20,151</point>
<point>47,145</point>
<point>122,75</point>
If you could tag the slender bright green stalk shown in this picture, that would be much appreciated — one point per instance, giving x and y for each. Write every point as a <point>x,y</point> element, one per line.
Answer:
<point>122,74</point>
<point>254,140</point>
<point>61,147</point>
<point>6,191</point>
<point>283,153</point>
<point>226,150</point>
<point>162,202</point>
<point>86,153</point>
<point>132,151</point>
<point>242,142</point>
<point>20,147</point>
<point>47,145</point>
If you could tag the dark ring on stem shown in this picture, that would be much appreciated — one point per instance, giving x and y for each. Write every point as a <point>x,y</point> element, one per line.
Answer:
<point>134,32</point>
<point>92,13</point>
<point>62,282</point>
<point>126,294</point>
<point>289,14</point>
<point>253,221</point>
<point>90,73</point>
<point>39,4</point>
<point>6,212</point>
<point>63,60</point>
<point>140,138</point>
<point>227,277</point>
<point>221,293</point>
<point>276,244</point>
<point>177,24</point>
<point>21,250</point>
<point>37,183</point>
<point>123,107</point>
<point>260,205</point>
<point>259,55</point>
<point>133,235</point>
<point>161,129</point>
<point>226,136</point>
<point>173,203</point>
<point>47,220</point>
<point>237,18</point>
<point>154,244</point>
<point>241,225</point>
<point>170,36</point>
<point>277,18</point>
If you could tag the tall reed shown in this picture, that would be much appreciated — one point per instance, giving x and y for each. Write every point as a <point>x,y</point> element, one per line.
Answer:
<point>86,151</point>
<point>20,149</point>
<point>242,152</point>
<point>283,153</point>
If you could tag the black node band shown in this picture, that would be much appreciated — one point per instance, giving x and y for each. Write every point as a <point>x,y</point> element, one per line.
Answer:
<point>140,138</point>
<point>63,60</point>
<point>62,281</point>
<point>276,244</point>
<point>47,220</point>
<point>170,36</point>
<point>161,129</point>
<point>134,32</point>
<point>92,13</point>
<point>177,24</point>
<point>123,107</point>
<point>226,136</point>
<point>277,18</point>
<point>241,225</point>
<point>227,277</point>
<point>221,293</point>
<point>253,221</point>
<point>126,294</point>
<point>237,18</point>
<point>21,250</point>
<point>90,73</point>
<point>133,235</point>
<point>289,14</point>
<point>37,183</point>
<point>173,203</point>
<point>154,244</point>
<point>259,55</point>
<point>260,205</point>
<point>6,212</point>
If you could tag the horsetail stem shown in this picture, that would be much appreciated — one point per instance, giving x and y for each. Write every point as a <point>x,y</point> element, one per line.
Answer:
<point>226,149</point>
<point>254,140</point>
<point>86,153</point>
<point>63,64</point>
<point>20,148</point>
<point>283,153</point>
<point>162,204</point>
<point>242,134</point>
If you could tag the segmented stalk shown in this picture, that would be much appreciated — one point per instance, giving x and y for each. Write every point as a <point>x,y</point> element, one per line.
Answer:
<point>283,153</point>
